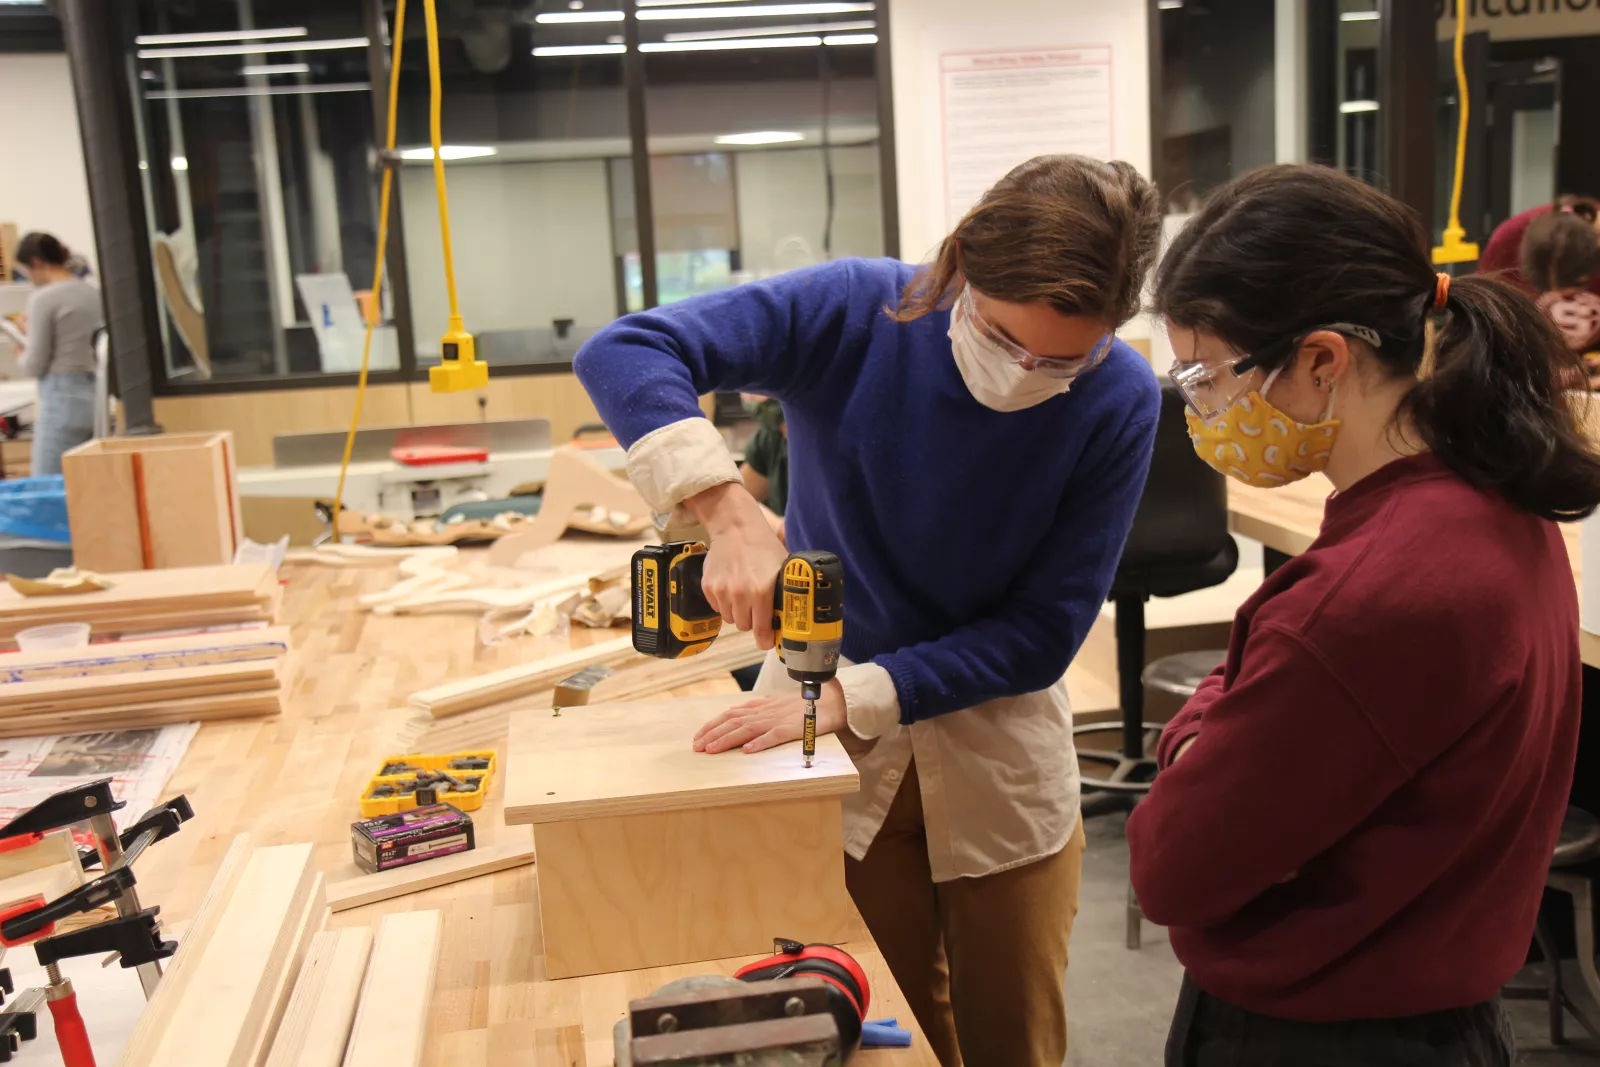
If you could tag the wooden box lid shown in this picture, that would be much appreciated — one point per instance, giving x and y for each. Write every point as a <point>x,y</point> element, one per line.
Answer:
<point>636,757</point>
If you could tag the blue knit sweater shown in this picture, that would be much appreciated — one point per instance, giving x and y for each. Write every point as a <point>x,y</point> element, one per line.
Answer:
<point>977,545</point>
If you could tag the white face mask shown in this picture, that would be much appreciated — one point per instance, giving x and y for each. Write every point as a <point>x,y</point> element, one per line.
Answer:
<point>992,378</point>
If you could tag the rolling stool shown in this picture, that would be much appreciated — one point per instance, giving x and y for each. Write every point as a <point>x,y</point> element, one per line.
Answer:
<point>1579,843</point>
<point>1179,543</point>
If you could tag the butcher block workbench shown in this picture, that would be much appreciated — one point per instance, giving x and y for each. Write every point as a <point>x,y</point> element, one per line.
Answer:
<point>296,778</point>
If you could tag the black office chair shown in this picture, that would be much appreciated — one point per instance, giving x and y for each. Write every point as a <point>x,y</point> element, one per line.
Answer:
<point>1179,543</point>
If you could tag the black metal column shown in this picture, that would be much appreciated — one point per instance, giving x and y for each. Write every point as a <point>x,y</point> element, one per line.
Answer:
<point>888,167</point>
<point>639,136</point>
<point>1408,94</point>
<point>378,55</point>
<point>99,39</point>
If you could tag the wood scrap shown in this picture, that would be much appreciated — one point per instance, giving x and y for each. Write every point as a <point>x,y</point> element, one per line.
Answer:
<point>457,697</point>
<point>606,608</point>
<point>63,581</point>
<point>573,481</point>
<point>477,600</point>
<point>142,716</point>
<point>343,555</point>
<point>316,1024</point>
<point>391,1024</point>
<point>417,877</point>
<point>147,600</point>
<point>232,997</point>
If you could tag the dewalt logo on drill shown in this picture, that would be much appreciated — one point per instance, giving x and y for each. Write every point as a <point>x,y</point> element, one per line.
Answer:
<point>649,585</point>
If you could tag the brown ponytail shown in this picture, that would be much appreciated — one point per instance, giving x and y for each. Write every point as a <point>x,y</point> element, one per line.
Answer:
<point>1070,231</point>
<point>1284,249</point>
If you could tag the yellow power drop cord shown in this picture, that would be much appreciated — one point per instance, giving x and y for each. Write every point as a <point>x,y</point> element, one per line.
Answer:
<point>1455,248</point>
<point>461,369</point>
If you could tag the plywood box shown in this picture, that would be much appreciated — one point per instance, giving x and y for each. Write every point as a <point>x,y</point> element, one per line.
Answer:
<point>651,854</point>
<point>146,503</point>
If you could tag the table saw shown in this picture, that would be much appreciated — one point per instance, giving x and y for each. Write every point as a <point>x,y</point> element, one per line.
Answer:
<point>498,457</point>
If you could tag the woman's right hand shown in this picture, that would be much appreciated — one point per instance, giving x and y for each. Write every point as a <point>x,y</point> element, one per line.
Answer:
<point>744,560</point>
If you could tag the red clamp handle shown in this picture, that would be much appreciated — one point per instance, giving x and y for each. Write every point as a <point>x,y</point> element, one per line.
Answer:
<point>71,1034</point>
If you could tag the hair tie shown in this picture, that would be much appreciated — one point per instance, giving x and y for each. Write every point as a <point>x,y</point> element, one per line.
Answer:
<point>1441,291</point>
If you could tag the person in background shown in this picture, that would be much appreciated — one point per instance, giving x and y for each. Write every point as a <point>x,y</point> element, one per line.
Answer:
<point>972,441</point>
<point>766,458</point>
<point>64,313</point>
<point>1349,836</point>
<point>1503,253</point>
<point>1561,261</point>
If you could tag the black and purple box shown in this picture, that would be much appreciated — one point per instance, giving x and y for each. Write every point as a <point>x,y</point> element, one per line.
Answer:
<point>410,836</point>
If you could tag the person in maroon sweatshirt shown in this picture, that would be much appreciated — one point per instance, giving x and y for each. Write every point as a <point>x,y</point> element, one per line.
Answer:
<point>1350,832</point>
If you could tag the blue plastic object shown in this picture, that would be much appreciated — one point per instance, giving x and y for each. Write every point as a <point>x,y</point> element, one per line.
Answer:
<point>884,1033</point>
<point>35,509</point>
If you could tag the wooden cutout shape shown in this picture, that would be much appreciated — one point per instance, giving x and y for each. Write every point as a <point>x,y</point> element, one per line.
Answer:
<point>574,481</point>
<point>190,320</point>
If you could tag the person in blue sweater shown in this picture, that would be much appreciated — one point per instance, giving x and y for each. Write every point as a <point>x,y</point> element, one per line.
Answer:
<point>972,441</point>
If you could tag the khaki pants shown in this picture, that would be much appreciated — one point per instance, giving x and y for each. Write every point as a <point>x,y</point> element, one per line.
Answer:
<point>981,961</point>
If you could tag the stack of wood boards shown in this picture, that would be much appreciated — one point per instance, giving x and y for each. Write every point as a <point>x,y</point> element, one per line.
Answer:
<point>142,683</point>
<point>152,601</point>
<point>225,991</point>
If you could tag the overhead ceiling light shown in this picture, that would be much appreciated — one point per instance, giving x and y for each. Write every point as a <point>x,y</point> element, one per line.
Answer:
<point>275,68</point>
<point>219,35</point>
<point>748,11</point>
<point>731,45</point>
<point>581,50</point>
<point>180,163</point>
<point>851,38</point>
<point>258,90</point>
<point>450,151</point>
<point>669,3</point>
<point>761,137</point>
<point>252,49</point>
<point>771,31</point>
<point>578,16</point>
<point>1358,16</point>
<point>144,166</point>
<point>1355,107</point>
<point>1169,5</point>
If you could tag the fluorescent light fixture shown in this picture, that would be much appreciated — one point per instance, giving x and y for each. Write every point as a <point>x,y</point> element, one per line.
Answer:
<point>851,38</point>
<point>671,3</point>
<point>761,137</point>
<point>252,49</point>
<point>748,11</point>
<point>180,162</point>
<point>258,90</point>
<point>275,68</point>
<point>220,35</point>
<point>578,16</point>
<point>143,165</point>
<point>450,151</point>
<point>1169,5</point>
<point>1356,107</point>
<point>1358,16</point>
<point>772,31</point>
<point>581,50</point>
<point>733,45</point>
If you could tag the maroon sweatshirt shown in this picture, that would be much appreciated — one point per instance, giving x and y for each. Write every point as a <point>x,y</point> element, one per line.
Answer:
<point>1363,823</point>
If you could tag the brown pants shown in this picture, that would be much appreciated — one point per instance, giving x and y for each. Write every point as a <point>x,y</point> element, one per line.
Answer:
<point>981,961</point>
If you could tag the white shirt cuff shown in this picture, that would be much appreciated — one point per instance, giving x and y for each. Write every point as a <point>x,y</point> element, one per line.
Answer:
<point>672,464</point>
<point>871,705</point>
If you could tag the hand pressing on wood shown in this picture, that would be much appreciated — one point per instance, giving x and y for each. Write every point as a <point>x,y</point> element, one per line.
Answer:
<point>763,722</point>
<point>744,559</point>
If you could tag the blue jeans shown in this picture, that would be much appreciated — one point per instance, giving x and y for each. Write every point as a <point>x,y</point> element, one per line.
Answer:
<point>64,421</point>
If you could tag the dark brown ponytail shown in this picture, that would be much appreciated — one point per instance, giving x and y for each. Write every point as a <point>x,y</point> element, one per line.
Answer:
<point>1070,231</point>
<point>1284,249</point>
<point>39,247</point>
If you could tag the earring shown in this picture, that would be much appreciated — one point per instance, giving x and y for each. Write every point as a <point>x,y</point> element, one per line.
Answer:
<point>1317,382</point>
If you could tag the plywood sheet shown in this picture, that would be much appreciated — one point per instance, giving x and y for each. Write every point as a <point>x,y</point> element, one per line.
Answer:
<point>633,758</point>
<point>392,1023</point>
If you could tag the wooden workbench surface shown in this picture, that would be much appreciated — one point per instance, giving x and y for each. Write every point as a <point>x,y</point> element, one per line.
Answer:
<point>296,778</point>
<point>1289,518</point>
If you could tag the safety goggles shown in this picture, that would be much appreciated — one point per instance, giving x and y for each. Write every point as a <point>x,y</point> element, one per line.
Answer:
<point>1210,389</point>
<point>1050,366</point>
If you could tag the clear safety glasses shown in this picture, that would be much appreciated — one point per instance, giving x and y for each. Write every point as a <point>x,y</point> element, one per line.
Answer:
<point>1049,366</point>
<point>1212,388</point>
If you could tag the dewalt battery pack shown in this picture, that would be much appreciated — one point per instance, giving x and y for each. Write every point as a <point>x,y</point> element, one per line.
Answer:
<point>671,617</point>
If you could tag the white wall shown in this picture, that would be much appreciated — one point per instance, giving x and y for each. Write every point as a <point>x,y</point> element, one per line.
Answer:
<point>42,184</point>
<point>532,244</point>
<point>921,30</point>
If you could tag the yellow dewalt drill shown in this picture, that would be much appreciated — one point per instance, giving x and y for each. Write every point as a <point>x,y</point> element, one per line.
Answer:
<point>672,618</point>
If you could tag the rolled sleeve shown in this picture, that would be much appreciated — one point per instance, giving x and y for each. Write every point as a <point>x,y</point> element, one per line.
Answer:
<point>871,704</point>
<point>681,459</point>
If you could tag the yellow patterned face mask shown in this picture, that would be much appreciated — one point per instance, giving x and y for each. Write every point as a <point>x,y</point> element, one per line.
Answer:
<point>1260,445</point>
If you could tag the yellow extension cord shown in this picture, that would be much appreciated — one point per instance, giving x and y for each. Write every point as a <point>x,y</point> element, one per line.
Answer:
<point>455,325</point>
<point>1455,248</point>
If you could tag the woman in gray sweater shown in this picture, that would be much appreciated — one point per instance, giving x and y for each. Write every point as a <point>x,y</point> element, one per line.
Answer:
<point>63,315</point>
